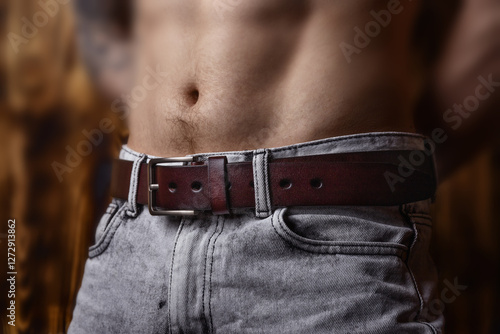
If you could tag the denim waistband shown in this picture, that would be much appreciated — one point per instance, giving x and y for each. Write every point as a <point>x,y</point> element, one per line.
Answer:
<point>371,141</point>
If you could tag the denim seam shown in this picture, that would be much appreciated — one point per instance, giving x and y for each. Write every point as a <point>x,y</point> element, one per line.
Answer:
<point>126,148</point>
<point>335,243</point>
<point>211,329</point>
<point>339,139</point>
<point>169,294</point>
<point>319,142</point>
<point>327,249</point>
<point>249,153</point>
<point>398,254</point>
<point>431,326</point>
<point>111,208</point>
<point>204,316</point>
<point>118,213</point>
<point>243,153</point>
<point>422,224</point>
<point>111,227</point>
<point>404,210</point>
<point>421,216</point>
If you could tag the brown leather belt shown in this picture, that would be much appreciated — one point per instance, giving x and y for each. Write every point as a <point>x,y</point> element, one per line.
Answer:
<point>358,178</point>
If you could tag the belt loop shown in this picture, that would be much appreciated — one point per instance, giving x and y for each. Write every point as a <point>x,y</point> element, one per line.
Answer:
<point>261,183</point>
<point>217,183</point>
<point>134,181</point>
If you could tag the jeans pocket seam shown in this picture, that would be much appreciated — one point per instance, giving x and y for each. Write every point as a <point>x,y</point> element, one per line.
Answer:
<point>111,207</point>
<point>421,220</point>
<point>333,247</point>
<point>431,326</point>
<point>105,239</point>
<point>420,215</point>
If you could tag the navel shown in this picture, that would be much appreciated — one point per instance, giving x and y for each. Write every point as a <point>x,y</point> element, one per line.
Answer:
<point>192,94</point>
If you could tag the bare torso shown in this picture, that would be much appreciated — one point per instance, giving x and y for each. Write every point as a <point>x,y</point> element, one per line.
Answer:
<point>244,74</point>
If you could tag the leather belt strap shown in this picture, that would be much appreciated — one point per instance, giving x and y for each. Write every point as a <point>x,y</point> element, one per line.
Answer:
<point>217,185</point>
<point>376,178</point>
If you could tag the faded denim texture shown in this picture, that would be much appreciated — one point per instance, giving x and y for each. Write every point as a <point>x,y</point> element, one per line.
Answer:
<point>288,270</point>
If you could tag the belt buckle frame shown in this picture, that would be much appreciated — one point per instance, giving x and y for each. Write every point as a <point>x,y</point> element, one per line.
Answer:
<point>153,187</point>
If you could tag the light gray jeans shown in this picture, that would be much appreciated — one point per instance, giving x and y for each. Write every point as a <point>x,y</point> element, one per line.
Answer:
<point>287,270</point>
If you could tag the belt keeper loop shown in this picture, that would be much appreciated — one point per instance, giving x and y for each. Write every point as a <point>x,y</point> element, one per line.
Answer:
<point>133,210</point>
<point>218,185</point>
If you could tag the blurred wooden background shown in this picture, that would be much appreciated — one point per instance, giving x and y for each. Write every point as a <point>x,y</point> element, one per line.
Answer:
<point>47,100</point>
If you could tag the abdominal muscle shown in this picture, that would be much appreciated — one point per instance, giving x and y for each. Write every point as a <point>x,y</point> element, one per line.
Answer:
<point>247,74</point>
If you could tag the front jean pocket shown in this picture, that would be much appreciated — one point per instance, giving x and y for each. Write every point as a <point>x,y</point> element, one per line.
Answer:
<point>345,230</point>
<point>107,226</point>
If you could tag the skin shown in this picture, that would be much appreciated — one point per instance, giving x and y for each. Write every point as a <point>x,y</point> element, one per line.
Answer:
<point>267,73</point>
<point>238,74</point>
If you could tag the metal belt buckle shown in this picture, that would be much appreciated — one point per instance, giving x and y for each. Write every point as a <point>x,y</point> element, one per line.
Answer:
<point>153,187</point>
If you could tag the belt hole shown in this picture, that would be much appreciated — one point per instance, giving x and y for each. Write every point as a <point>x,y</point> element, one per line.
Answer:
<point>285,183</point>
<point>316,183</point>
<point>229,185</point>
<point>172,187</point>
<point>251,184</point>
<point>196,186</point>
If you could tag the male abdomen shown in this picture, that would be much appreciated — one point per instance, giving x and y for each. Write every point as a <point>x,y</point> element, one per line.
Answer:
<point>238,74</point>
